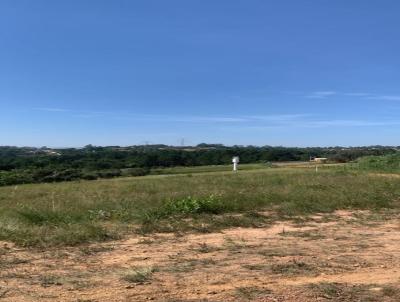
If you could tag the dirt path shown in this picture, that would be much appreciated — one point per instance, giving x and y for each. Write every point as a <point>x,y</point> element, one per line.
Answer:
<point>350,257</point>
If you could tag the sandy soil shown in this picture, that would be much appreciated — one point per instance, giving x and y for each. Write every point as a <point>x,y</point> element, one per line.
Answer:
<point>347,257</point>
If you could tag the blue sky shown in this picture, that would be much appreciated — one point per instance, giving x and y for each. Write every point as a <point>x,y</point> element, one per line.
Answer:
<point>261,72</point>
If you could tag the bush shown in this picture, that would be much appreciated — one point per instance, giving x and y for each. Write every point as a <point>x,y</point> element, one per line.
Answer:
<point>135,172</point>
<point>89,176</point>
<point>188,205</point>
<point>63,175</point>
<point>109,173</point>
<point>386,163</point>
<point>8,178</point>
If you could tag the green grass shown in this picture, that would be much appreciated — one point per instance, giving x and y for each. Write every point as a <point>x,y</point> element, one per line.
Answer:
<point>76,212</point>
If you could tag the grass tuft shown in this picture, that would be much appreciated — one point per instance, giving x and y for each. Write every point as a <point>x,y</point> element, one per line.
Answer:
<point>187,206</point>
<point>293,268</point>
<point>139,275</point>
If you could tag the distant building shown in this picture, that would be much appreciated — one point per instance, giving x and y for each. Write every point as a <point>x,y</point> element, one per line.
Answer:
<point>319,159</point>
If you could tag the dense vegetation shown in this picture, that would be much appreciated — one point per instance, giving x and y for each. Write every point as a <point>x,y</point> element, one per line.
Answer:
<point>36,165</point>
<point>386,163</point>
<point>76,212</point>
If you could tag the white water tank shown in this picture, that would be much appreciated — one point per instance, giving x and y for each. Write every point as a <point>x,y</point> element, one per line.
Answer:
<point>235,161</point>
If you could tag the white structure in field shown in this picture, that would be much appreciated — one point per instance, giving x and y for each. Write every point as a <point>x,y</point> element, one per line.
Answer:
<point>235,161</point>
<point>319,160</point>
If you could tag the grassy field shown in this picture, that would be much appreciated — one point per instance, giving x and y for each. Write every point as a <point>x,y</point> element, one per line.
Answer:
<point>286,233</point>
<point>203,169</point>
<point>227,168</point>
<point>76,212</point>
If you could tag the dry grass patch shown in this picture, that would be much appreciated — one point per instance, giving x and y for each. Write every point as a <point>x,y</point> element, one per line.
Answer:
<point>139,275</point>
<point>251,293</point>
<point>294,268</point>
<point>342,292</point>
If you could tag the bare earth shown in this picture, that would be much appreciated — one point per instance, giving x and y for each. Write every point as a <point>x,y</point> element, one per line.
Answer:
<point>343,257</point>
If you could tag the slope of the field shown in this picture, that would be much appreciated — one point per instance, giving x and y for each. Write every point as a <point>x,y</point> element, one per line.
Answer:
<point>75,212</point>
<point>273,234</point>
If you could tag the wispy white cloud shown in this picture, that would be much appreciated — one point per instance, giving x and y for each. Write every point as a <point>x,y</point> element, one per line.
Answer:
<point>272,118</point>
<point>357,94</point>
<point>278,117</point>
<point>189,118</point>
<point>314,123</point>
<point>348,123</point>
<point>255,122</point>
<point>176,118</point>
<point>385,97</point>
<point>50,109</point>
<point>203,119</point>
<point>89,114</point>
<point>321,94</point>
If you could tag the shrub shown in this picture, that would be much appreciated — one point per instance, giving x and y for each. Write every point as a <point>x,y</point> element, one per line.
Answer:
<point>386,163</point>
<point>188,205</point>
<point>109,173</point>
<point>89,176</point>
<point>135,172</point>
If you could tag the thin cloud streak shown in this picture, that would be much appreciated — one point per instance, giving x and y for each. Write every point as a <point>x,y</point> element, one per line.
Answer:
<point>385,97</point>
<point>255,122</point>
<point>49,109</point>
<point>317,124</point>
<point>360,95</point>
<point>278,117</point>
<point>321,94</point>
<point>178,119</point>
<point>349,123</point>
<point>357,94</point>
